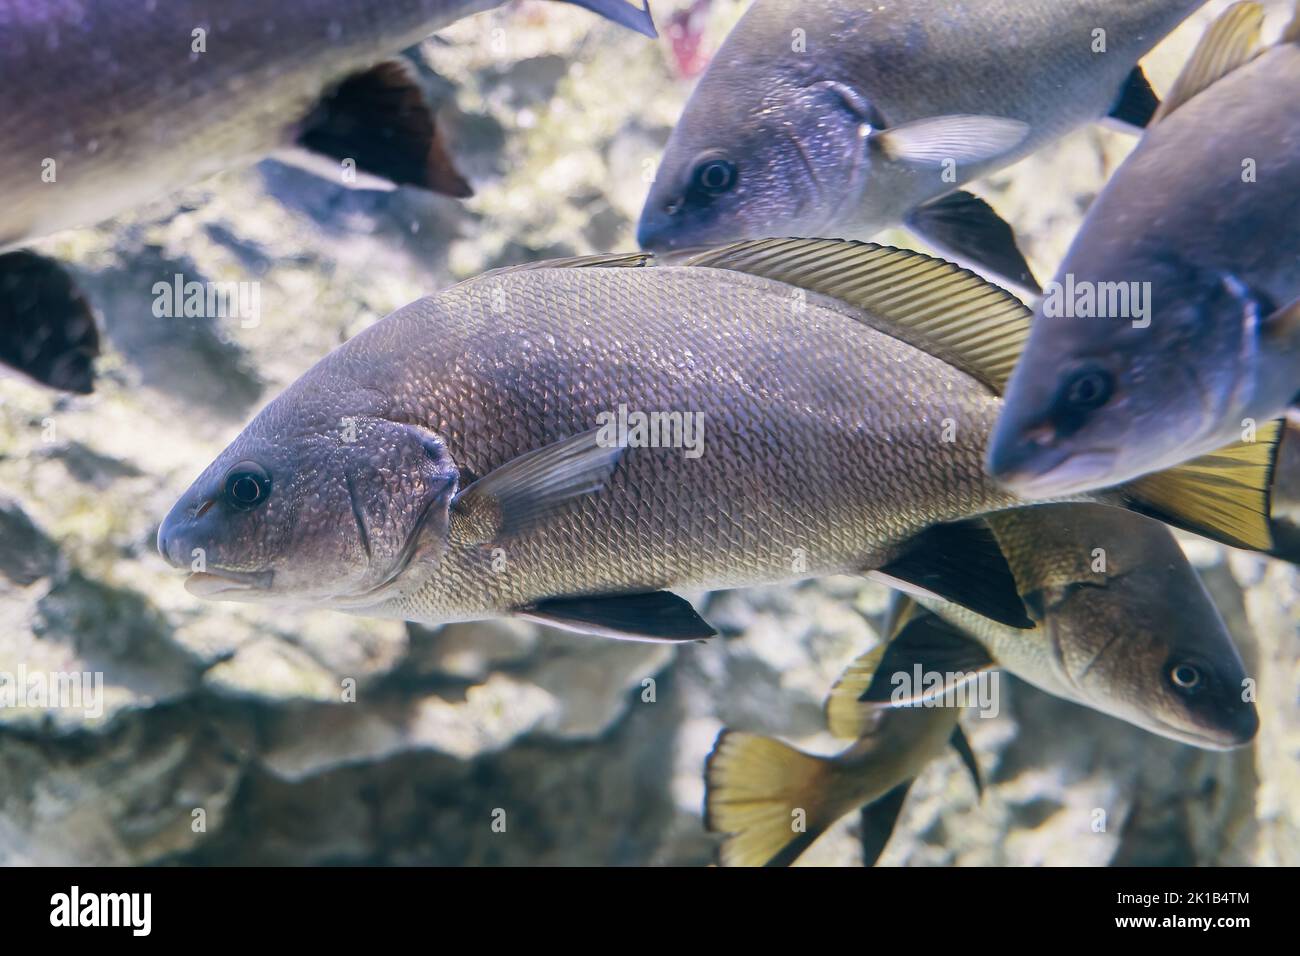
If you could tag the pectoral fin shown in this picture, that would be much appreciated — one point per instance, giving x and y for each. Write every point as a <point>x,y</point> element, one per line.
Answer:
<point>47,331</point>
<point>965,227</point>
<point>960,139</point>
<point>960,562</point>
<point>525,491</point>
<point>634,16</point>
<point>937,648</point>
<point>380,121</point>
<point>963,748</point>
<point>1137,103</point>
<point>658,616</point>
<point>878,820</point>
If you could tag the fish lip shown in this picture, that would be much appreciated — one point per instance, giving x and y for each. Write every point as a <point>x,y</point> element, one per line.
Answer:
<point>221,581</point>
<point>1087,471</point>
<point>1208,739</point>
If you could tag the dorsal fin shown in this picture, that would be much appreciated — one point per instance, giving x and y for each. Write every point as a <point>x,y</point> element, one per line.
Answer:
<point>1231,42</point>
<point>612,260</point>
<point>929,303</point>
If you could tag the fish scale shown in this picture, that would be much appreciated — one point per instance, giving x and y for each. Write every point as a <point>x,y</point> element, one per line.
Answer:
<point>818,430</point>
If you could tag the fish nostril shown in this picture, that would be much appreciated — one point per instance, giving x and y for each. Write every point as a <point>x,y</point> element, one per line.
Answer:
<point>203,508</point>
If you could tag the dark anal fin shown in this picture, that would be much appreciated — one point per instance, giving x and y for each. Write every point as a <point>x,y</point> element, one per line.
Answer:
<point>962,746</point>
<point>937,648</point>
<point>656,616</point>
<point>961,562</point>
<point>47,330</point>
<point>964,226</point>
<point>634,16</point>
<point>1137,103</point>
<point>878,820</point>
<point>380,120</point>
<point>1286,541</point>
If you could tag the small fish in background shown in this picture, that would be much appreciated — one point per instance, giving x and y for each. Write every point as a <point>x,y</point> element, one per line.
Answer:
<point>685,32</point>
<point>104,106</point>
<point>1139,639</point>
<point>456,460</point>
<point>841,118</point>
<point>1174,321</point>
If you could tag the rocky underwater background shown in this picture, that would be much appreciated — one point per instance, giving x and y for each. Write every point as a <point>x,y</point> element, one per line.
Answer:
<point>242,734</point>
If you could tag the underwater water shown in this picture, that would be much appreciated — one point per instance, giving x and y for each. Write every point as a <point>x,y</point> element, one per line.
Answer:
<point>245,733</point>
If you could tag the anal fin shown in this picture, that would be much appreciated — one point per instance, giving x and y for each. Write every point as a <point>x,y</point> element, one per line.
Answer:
<point>877,821</point>
<point>963,748</point>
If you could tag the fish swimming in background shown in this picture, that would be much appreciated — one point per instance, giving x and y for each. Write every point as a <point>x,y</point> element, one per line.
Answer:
<point>1174,323</point>
<point>104,106</point>
<point>1123,625</point>
<point>844,117</point>
<point>813,407</point>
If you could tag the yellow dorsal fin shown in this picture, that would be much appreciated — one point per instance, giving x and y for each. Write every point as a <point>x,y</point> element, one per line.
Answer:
<point>846,716</point>
<point>1223,495</point>
<point>1231,42</point>
<point>929,303</point>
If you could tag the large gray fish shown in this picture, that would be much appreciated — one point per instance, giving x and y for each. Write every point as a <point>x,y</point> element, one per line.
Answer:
<point>845,117</point>
<point>1173,323</point>
<point>1124,626</point>
<point>105,105</point>
<point>565,441</point>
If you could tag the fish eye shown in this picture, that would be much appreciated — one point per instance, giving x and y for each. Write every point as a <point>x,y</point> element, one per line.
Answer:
<point>714,176</point>
<point>247,485</point>
<point>1186,677</point>
<point>1088,388</point>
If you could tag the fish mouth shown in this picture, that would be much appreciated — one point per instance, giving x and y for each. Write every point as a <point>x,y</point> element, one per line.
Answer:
<point>208,584</point>
<point>1059,475</point>
<point>1204,737</point>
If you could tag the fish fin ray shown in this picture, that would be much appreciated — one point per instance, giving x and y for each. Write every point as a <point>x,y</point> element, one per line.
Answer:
<point>634,16</point>
<point>526,490</point>
<point>1231,42</point>
<point>960,562</point>
<point>960,138</point>
<point>846,718</point>
<point>613,260</point>
<point>1224,496</point>
<point>753,786</point>
<point>967,755</point>
<point>925,301</point>
<point>656,616</point>
<point>47,328</point>
<point>379,119</point>
<point>1137,103</point>
<point>877,821</point>
<point>964,226</point>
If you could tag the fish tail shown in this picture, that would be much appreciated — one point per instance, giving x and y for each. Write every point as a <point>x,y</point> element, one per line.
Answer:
<point>771,799</point>
<point>1224,495</point>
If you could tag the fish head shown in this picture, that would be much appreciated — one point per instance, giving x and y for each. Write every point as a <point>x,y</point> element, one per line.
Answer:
<point>320,501</point>
<point>1141,639</point>
<point>1098,401</point>
<point>746,163</point>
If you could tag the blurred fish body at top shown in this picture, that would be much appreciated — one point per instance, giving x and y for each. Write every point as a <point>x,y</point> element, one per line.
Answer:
<point>481,477</point>
<point>841,118</point>
<point>1198,227</point>
<point>1135,636</point>
<point>107,105</point>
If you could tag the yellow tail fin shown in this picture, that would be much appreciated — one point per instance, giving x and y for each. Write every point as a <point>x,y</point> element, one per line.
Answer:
<point>768,796</point>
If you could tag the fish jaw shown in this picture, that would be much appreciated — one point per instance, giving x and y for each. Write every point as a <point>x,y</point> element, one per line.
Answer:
<point>221,585</point>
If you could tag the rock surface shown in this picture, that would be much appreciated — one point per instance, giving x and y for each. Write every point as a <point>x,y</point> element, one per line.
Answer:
<point>238,734</point>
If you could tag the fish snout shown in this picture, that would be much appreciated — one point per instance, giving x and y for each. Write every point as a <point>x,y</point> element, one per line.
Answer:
<point>654,230</point>
<point>176,531</point>
<point>1018,455</point>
